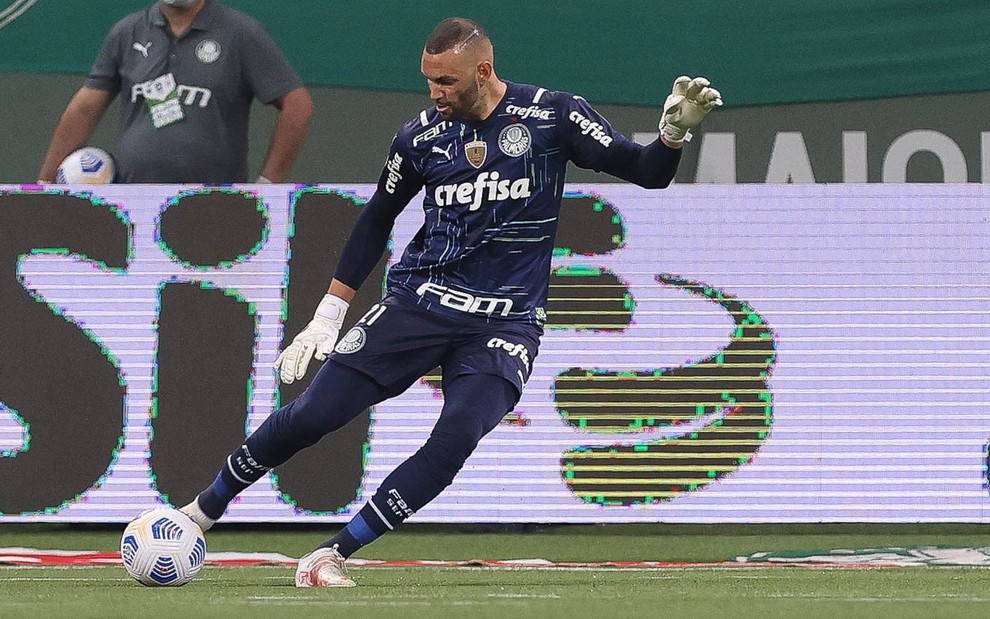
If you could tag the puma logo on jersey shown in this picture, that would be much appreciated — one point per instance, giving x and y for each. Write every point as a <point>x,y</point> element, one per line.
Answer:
<point>142,48</point>
<point>486,186</point>
<point>443,151</point>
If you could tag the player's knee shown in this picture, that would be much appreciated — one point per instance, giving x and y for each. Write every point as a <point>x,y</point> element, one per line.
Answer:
<point>313,417</point>
<point>446,452</point>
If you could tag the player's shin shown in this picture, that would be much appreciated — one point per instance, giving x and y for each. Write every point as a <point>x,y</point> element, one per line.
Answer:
<point>408,488</point>
<point>335,397</point>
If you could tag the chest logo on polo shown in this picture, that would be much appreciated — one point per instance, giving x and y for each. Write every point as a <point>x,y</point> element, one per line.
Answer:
<point>514,140</point>
<point>208,51</point>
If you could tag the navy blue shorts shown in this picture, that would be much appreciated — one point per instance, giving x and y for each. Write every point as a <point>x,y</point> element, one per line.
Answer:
<point>397,342</point>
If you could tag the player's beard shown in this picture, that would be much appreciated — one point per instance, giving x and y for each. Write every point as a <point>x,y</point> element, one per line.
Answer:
<point>463,107</point>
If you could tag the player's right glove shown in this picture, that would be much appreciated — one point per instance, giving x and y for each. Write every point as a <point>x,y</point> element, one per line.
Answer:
<point>316,340</point>
<point>689,102</point>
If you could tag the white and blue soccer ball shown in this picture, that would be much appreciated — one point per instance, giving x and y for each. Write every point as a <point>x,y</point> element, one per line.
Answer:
<point>163,548</point>
<point>86,166</point>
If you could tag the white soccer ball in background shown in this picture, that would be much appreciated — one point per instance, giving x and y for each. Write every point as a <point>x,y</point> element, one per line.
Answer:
<point>163,548</point>
<point>86,166</point>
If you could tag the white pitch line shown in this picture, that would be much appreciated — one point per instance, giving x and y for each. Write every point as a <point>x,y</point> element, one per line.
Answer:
<point>941,599</point>
<point>50,579</point>
<point>526,596</point>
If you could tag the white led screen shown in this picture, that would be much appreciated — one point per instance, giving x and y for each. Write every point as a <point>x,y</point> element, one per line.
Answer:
<point>713,354</point>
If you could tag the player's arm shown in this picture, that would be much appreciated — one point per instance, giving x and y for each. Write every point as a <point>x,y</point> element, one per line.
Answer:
<point>594,144</point>
<point>295,109</point>
<point>274,82</point>
<point>75,128</point>
<point>83,113</point>
<point>398,184</point>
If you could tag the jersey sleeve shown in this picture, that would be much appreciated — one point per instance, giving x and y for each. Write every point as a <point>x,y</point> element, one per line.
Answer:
<point>398,183</point>
<point>592,143</point>
<point>266,68</point>
<point>105,72</point>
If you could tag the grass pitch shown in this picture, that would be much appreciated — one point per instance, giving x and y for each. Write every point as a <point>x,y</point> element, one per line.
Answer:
<point>446,593</point>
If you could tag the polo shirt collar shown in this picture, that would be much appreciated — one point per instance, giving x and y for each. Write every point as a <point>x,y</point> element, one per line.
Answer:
<point>203,21</point>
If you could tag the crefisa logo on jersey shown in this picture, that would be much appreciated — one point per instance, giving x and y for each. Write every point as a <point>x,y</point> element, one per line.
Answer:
<point>393,165</point>
<point>490,187</point>
<point>514,350</point>
<point>532,111</point>
<point>592,128</point>
<point>514,140</point>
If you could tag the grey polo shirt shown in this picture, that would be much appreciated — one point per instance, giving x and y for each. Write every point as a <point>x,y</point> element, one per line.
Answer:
<point>223,61</point>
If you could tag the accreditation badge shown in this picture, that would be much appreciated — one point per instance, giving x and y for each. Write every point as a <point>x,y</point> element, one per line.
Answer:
<point>161,95</point>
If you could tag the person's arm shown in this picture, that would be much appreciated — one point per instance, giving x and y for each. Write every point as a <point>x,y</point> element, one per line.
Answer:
<point>651,167</point>
<point>74,129</point>
<point>593,143</point>
<point>295,109</point>
<point>400,181</point>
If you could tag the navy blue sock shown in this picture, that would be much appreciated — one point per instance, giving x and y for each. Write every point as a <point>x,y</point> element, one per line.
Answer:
<point>357,533</point>
<point>336,396</point>
<point>240,471</point>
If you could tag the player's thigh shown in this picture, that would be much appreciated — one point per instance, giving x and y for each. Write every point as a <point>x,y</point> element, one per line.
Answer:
<point>473,406</point>
<point>507,351</point>
<point>395,343</point>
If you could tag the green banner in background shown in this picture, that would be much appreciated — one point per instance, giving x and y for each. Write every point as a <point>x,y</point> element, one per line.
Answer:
<point>774,51</point>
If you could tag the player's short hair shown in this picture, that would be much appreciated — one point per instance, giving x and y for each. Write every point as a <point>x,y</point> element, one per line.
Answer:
<point>457,33</point>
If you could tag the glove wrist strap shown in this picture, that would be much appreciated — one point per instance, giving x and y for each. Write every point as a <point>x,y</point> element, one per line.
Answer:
<point>672,133</point>
<point>333,309</point>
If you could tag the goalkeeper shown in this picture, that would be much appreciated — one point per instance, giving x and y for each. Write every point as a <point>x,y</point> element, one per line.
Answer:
<point>470,291</point>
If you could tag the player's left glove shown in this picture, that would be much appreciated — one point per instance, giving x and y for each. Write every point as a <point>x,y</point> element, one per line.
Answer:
<point>689,102</point>
<point>316,340</point>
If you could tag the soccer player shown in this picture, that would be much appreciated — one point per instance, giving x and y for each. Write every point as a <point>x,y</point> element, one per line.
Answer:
<point>468,293</point>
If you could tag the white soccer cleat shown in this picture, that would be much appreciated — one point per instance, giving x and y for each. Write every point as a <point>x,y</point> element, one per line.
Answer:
<point>197,515</point>
<point>324,567</point>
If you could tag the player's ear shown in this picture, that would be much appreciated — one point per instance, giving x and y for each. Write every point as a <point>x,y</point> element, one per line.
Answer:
<point>483,71</point>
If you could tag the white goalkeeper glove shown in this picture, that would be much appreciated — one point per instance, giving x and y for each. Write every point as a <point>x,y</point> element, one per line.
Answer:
<point>689,102</point>
<point>316,340</point>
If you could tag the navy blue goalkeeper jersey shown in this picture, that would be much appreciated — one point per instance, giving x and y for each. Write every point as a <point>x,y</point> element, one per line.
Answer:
<point>493,193</point>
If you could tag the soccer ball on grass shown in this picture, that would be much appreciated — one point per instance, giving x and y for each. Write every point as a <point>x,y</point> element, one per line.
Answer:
<point>86,166</point>
<point>163,548</point>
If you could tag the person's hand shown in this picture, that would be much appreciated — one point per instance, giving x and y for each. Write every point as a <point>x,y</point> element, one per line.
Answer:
<point>316,340</point>
<point>689,102</point>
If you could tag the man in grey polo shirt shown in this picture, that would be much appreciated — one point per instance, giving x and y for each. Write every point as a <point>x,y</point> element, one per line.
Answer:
<point>187,71</point>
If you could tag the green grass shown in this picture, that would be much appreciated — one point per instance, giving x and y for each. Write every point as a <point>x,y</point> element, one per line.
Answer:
<point>412,593</point>
<point>432,592</point>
